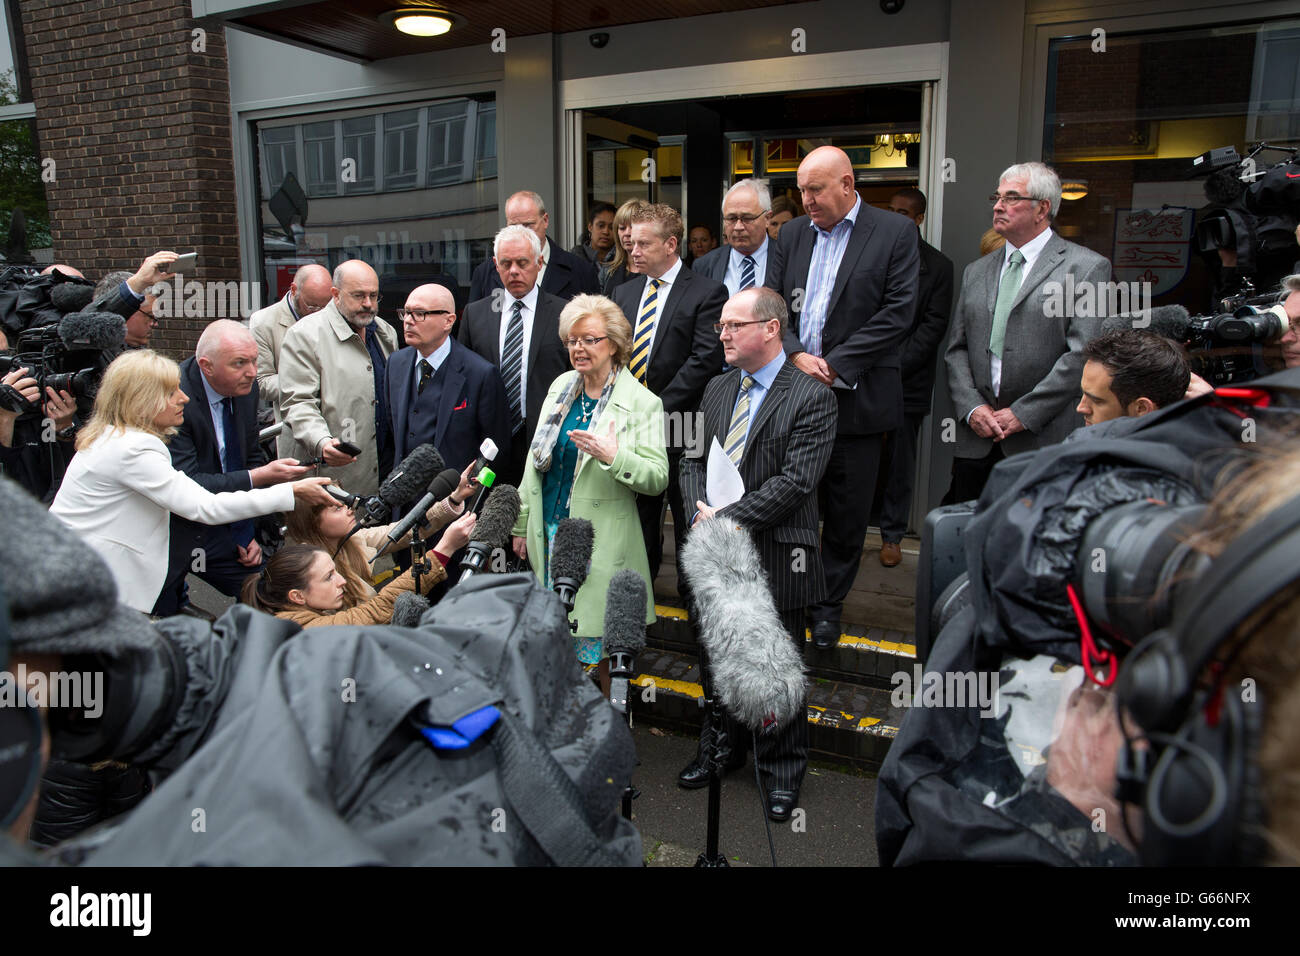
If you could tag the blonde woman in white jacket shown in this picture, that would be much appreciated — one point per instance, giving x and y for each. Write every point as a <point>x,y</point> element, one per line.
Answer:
<point>120,490</point>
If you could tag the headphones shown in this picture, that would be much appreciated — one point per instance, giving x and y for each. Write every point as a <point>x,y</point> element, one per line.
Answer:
<point>20,734</point>
<point>1198,784</point>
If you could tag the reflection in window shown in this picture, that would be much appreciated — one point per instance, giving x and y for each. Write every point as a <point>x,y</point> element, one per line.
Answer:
<point>318,151</point>
<point>359,144</point>
<point>446,142</point>
<point>401,144</point>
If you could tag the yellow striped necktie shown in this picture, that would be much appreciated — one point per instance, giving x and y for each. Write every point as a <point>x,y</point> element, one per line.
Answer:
<point>735,447</point>
<point>645,327</point>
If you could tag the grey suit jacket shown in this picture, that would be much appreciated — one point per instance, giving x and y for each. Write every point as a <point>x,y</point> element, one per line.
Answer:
<point>714,264</point>
<point>268,327</point>
<point>785,456</point>
<point>1041,359</point>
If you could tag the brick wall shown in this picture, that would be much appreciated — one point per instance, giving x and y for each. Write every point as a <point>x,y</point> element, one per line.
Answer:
<point>138,125</point>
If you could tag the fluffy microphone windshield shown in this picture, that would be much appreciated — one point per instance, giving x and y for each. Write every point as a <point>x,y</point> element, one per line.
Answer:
<point>572,551</point>
<point>407,609</point>
<point>625,613</point>
<point>92,330</point>
<point>498,516</point>
<point>756,670</point>
<point>1171,321</point>
<point>71,296</point>
<point>409,480</point>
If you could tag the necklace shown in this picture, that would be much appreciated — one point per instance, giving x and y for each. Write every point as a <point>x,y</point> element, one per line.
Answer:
<point>587,409</point>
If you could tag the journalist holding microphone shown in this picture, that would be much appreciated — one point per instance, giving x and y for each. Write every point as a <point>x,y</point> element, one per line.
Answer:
<point>598,445</point>
<point>121,490</point>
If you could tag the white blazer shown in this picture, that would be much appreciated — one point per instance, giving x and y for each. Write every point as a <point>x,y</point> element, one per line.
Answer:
<point>119,495</point>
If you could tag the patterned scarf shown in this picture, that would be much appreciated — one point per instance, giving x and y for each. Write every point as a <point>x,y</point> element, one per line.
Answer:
<point>549,431</point>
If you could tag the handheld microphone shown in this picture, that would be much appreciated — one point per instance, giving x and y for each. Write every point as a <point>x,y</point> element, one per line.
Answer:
<point>571,559</point>
<point>345,497</point>
<point>487,453</point>
<point>756,669</point>
<point>441,486</point>
<point>402,486</point>
<point>492,530</point>
<point>624,632</point>
<point>93,330</point>
<point>407,609</point>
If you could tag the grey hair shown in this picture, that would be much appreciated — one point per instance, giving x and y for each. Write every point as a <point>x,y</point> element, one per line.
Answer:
<point>1040,180</point>
<point>1291,283</point>
<point>111,281</point>
<point>516,232</point>
<point>529,194</point>
<point>217,334</point>
<point>758,187</point>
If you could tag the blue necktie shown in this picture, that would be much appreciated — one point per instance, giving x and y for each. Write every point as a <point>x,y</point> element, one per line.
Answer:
<point>233,460</point>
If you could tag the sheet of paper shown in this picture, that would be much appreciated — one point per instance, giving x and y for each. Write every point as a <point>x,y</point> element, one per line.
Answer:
<point>722,482</point>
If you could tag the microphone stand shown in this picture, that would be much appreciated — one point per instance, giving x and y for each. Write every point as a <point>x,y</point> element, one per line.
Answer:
<point>715,757</point>
<point>419,560</point>
<point>621,683</point>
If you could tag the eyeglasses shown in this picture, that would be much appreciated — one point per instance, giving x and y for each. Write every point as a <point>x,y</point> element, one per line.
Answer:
<point>1012,198</point>
<point>587,341</point>
<point>148,315</point>
<point>731,327</point>
<point>733,219</point>
<point>362,296</point>
<point>420,315</point>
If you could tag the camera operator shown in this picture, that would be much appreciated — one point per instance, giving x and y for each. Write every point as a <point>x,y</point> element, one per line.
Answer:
<point>35,450</point>
<point>1130,373</point>
<point>1290,341</point>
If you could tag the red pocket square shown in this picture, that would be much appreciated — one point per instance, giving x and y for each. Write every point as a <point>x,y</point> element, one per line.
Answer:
<point>462,406</point>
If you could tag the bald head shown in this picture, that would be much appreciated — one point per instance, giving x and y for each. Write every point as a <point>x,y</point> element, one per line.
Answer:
<point>356,292</point>
<point>430,314</point>
<point>826,185</point>
<point>66,270</point>
<point>311,289</point>
<point>227,357</point>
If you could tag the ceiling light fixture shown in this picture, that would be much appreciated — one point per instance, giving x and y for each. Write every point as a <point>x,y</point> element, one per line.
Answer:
<point>1074,189</point>
<point>422,20</point>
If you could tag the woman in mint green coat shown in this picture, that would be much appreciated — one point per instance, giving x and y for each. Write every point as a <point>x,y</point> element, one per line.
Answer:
<point>599,443</point>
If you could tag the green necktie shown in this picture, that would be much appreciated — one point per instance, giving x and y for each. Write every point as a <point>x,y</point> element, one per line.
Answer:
<point>1007,290</point>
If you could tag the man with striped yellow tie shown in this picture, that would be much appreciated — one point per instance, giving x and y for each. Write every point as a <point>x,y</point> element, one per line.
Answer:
<point>778,426</point>
<point>675,350</point>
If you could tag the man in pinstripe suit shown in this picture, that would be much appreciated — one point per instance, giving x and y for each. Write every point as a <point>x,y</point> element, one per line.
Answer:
<point>778,425</point>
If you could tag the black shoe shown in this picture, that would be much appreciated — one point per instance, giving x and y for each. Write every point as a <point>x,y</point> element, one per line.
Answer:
<point>825,634</point>
<point>781,803</point>
<point>693,776</point>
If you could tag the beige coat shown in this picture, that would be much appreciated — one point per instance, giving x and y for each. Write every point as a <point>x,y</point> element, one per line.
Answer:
<point>327,390</point>
<point>268,327</point>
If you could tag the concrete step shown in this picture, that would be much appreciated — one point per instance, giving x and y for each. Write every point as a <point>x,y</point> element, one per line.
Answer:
<point>850,716</point>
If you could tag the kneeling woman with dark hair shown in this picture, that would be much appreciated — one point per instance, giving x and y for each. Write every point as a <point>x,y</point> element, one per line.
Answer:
<point>301,584</point>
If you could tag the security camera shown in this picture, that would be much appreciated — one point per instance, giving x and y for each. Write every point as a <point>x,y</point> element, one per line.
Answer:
<point>598,40</point>
<point>891,6</point>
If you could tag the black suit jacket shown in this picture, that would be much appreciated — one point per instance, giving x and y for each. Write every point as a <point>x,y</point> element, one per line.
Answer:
<point>473,407</point>
<point>869,312</point>
<point>714,264</point>
<point>686,351</point>
<point>480,331</point>
<point>785,456</point>
<point>929,326</point>
<point>566,276</point>
<point>194,451</point>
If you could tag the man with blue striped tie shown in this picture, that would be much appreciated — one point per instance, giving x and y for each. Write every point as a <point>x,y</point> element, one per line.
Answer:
<point>750,258</point>
<point>675,351</point>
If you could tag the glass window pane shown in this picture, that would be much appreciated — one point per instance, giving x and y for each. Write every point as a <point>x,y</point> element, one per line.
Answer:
<point>318,148</point>
<point>21,187</point>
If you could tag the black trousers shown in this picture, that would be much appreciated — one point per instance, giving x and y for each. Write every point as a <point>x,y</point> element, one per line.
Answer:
<point>900,474</point>
<point>509,469</point>
<point>845,497</point>
<point>650,508</point>
<point>781,755</point>
<point>220,568</point>
<point>970,475</point>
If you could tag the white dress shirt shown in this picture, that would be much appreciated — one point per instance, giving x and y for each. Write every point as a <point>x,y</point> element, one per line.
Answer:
<point>665,286</point>
<point>1031,250</point>
<point>434,359</point>
<point>528,313</point>
<point>736,267</point>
